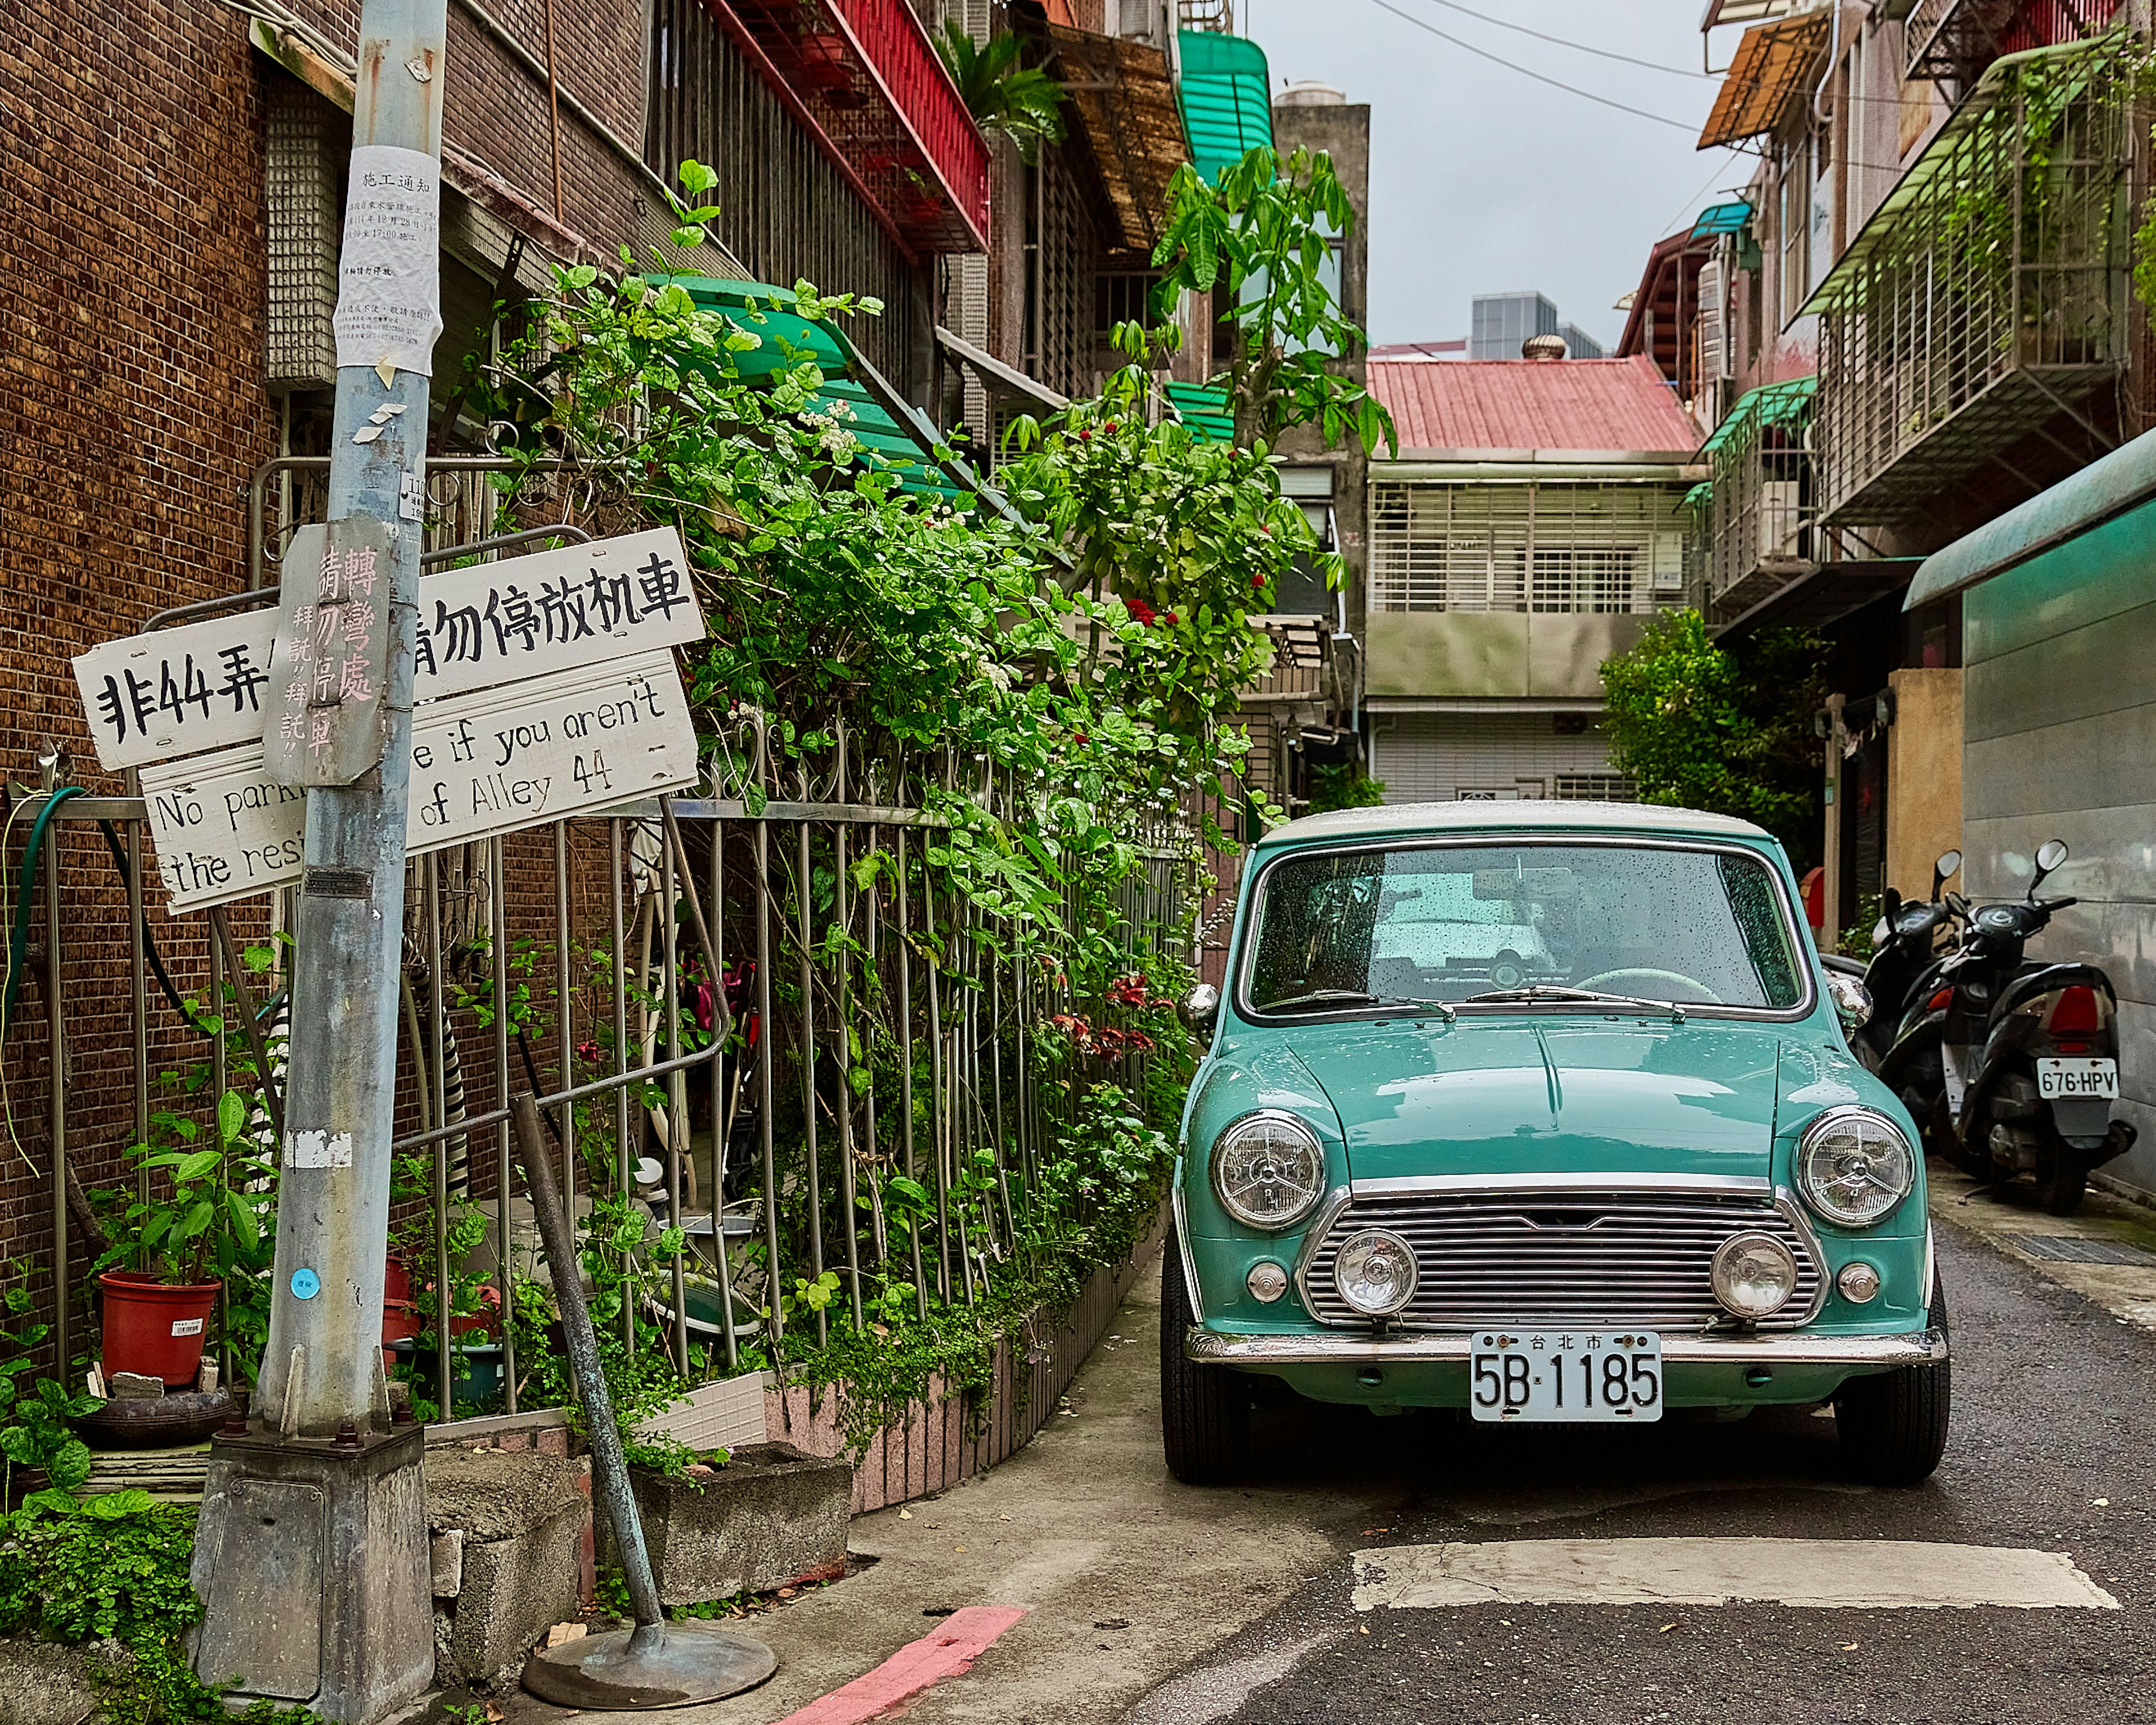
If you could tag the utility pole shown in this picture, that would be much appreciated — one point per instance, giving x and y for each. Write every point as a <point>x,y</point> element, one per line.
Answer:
<point>311,1555</point>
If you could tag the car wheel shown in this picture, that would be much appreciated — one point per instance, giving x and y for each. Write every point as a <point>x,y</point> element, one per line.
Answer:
<point>1893,1425</point>
<point>1204,1410</point>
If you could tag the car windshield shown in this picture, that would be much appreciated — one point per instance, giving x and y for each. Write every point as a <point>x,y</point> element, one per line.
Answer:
<point>1344,930</point>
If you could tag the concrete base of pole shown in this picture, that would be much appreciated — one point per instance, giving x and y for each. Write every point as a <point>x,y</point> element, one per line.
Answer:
<point>681,1664</point>
<point>310,1560</point>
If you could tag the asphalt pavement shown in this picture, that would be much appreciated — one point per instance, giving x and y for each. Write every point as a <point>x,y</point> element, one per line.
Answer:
<point>1112,1595</point>
<point>2051,1453</point>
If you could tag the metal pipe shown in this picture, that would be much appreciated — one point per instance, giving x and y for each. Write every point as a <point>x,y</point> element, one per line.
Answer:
<point>623,1165</point>
<point>139,983</point>
<point>765,1062</point>
<point>444,1364</point>
<point>566,1004</point>
<point>722,1119</point>
<point>906,1074</point>
<point>610,1485</point>
<point>265,1082</point>
<point>801,889</point>
<point>505,1283</point>
<point>842,960</point>
<point>678,1176</point>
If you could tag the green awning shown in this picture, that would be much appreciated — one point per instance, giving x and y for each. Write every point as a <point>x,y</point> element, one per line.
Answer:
<point>1789,403</point>
<point>1204,410</point>
<point>1700,495</point>
<point>1227,106</point>
<point>1721,218</point>
<point>886,443</point>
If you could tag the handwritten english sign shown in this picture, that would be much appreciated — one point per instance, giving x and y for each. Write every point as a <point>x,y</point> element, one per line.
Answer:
<point>482,764</point>
<point>177,692</point>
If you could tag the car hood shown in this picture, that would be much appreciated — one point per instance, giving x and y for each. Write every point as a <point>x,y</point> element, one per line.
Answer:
<point>1511,1096</point>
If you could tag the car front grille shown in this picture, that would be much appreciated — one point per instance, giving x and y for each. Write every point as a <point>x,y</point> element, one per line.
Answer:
<point>1558,1257</point>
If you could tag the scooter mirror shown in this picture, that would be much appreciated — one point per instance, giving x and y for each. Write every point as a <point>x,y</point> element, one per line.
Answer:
<point>1200,1009</point>
<point>1944,869</point>
<point>1880,932</point>
<point>1852,1000</point>
<point>2050,854</point>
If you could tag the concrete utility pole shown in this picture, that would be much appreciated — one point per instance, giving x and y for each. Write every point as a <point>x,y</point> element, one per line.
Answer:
<point>311,1556</point>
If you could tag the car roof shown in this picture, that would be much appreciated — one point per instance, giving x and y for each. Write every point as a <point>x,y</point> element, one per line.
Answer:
<point>1415,819</point>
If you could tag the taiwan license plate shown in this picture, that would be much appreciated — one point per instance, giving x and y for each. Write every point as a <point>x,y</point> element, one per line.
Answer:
<point>1567,1374</point>
<point>2076,1078</point>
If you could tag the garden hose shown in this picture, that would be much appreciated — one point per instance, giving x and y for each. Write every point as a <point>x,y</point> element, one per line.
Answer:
<point>19,940</point>
<point>149,940</point>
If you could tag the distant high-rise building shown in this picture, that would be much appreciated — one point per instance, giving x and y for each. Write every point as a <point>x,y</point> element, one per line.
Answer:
<point>1504,321</point>
<point>1578,344</point>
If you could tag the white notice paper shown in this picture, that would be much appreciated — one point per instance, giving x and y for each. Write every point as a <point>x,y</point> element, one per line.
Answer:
<point>388,275</point>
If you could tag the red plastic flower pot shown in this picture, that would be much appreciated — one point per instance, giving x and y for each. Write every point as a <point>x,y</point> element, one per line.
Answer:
<point>154,1329</point>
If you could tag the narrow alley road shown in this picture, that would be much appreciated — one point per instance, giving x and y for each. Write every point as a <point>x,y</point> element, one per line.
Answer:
<point>1149,1603</point>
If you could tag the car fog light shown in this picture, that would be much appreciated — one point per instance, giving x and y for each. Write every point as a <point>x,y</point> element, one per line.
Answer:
<point>1267,1281</point>
<point>1376,1272</point>
<point>1754,1275</point>
<point>1858,1282</point>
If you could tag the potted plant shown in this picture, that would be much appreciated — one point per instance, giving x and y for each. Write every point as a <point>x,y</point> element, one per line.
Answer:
<point>160,1277</point>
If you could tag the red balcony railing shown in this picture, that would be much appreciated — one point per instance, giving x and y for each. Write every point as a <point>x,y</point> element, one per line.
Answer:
<point>863,76</point>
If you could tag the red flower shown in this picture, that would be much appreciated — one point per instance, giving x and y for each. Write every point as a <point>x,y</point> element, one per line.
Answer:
<point>1257,584</point>
<point>1167,619</point>
<point>1109,426</point>
<point>1128,991</point>
<point>1083,433</point>
<point>1139,609</point>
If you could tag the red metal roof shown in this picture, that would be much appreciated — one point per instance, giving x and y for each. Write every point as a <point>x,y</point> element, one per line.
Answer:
<point>1532,404</point>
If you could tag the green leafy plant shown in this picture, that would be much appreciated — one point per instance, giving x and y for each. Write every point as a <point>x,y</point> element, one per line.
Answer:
<point>1346,786</point>
<point>1698,726</point>
<point>193,1230</point>
<point>35,1409</point>
<point>1265,232</point>
<point>1005,98</point>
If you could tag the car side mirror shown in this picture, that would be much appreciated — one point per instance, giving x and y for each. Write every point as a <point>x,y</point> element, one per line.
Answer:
<point>1200,1011</point>
<point>1852,1000</point>
<point>1943,870</point>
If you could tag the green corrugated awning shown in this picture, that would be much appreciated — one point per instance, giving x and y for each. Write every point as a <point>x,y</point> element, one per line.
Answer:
<point>1700,495</point>
<point>1787,403</point>
<point>1227,106</point>
<point>1204,410</point>
<point>903,450</point>
<point>1721,218</point>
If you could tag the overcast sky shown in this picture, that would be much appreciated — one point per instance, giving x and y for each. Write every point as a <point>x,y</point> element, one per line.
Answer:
<point>1482,180</point>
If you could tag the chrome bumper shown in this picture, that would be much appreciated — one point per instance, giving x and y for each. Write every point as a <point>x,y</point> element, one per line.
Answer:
<point>1917,1347</point>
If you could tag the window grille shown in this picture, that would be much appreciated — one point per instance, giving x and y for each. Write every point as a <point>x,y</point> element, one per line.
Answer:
<point>1570,547</point>
<point>1595,788</point>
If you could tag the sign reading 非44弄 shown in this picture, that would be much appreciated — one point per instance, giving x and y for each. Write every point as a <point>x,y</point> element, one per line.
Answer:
<point>207,686</point>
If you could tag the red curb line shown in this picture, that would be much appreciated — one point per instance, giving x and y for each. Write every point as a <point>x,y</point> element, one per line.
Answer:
<point>949,1651</point>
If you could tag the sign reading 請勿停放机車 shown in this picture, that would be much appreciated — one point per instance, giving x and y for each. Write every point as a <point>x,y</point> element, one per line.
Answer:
<point>483,763</point>
<point>208,685</point>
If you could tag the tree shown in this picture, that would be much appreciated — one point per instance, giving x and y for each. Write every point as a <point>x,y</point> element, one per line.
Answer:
<point>1266,228</point>
<point>1006,100</point>
<point>1699,726</point>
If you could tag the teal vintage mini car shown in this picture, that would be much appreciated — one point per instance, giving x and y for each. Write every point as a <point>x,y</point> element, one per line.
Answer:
<point>1545,1111</point>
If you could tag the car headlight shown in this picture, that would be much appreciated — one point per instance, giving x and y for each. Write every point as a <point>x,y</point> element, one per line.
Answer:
<point>1268,1169</point>
<point>1754,1275</point>
<point>1375,1272</point>
<point>1854,1165</point>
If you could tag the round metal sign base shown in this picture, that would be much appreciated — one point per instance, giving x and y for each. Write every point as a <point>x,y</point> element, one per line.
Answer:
<point>689,1662</point>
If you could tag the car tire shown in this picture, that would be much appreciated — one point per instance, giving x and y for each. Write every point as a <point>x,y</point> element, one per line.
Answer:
<point>1204,1410</point>
<point>1892,1426</point>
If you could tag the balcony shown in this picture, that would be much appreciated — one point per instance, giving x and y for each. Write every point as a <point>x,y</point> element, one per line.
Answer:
<point>1757,514</point>
<point>1985,302</point>
<point>864,78</point>
<point>1957,38</point>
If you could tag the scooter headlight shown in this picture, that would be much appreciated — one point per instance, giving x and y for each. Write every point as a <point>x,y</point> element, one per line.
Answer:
<point>1854,1165</point>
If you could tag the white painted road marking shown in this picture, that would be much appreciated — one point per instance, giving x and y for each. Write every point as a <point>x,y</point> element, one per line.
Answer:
<point>1859,1573</point>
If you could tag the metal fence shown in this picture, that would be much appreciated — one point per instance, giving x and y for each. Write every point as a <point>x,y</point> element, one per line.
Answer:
<point>749,1008</point>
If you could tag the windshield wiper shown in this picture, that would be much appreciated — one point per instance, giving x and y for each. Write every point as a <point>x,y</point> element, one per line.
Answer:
<point>1354,997</point>
<point>1549,991</point>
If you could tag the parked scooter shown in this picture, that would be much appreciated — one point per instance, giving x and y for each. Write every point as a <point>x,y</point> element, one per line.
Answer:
<point>1902,974</point>
<point>2028,1052</point>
